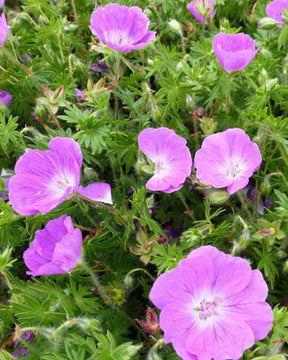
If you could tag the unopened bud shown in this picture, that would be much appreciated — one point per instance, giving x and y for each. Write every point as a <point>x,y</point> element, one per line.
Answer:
<point>175,26</point>
<point>267,23</point>
<point>218,197</point>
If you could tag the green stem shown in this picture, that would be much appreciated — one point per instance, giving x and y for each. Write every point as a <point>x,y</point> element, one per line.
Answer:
<point>244,205</point>
<point>143,270</point>
<point>228,100</point>
<point>76,16</point>
<point>85,212</point>
<point>188,210</point>
<point>60,47</point>
<point>234,249</point>
<point>98,204</point>
<point>9,284</point>
<point>203,26</point>
<point>117,76</point>
<point>96,282</point>
<point>85,228</point>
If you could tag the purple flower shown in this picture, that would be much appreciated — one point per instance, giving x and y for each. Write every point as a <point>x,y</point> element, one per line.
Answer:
<point>212,305</point>
<point>228,158</point>
<point>121,28</point>
<point>1,3</point>
<point>5,97</point>
<point>21,352</point>
<point>78,93</point>
<point>3,29</point>
<point>234,52</point>
<point>44,179</point>
<point>26,58</point>
<point>55,250</point>
<point>101,66</point>
<point>275,10</point>
<point>198,8</point>
<point>171,158</point>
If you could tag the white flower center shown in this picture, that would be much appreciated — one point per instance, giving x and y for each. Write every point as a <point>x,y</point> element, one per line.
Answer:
<point>118,37</point>
<point>234,167</point>
<point>60,183</point>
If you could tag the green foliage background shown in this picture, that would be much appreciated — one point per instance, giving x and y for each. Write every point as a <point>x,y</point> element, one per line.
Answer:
<point>160,85</point>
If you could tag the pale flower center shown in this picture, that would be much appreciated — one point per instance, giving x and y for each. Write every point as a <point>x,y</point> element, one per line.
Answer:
<point>61,183</point>
<point>234,167</point>
<point>207,309</point>
<point>118,37</point>
<point>161,166</point>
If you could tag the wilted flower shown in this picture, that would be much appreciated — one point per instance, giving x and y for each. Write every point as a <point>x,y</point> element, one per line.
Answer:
<point>228,158</point>
<point>121,28</point>
<point>100,66</point>
<point>55,250</point>
<point>44,179</point>
<point>151,324</point>
<point>5,97</point>
<point>3,29</point>
<point>275,10</point>
<point>78,93</point>
<point>234,52</point>
<point>201,9</point>
<point>171,158</point>
<point>212,305</point>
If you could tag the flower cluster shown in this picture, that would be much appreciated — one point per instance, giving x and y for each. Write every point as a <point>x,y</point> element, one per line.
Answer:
<point>225,159</point>
<point>212,305</point>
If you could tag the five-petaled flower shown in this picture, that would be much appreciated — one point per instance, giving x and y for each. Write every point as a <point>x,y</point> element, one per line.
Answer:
<point>121,28</point>
<point>228,158</point>
<point>44,179</point>
<point>234,51</point>
<point>55,250</point>
<point>275,10</point>
<point>201,9</point>
<point>212,305</point>
<point>171,158</point>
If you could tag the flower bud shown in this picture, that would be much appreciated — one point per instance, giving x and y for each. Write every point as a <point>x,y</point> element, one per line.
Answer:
<point>218,197</point>
<point>175,26</point>
<point>267,23</point>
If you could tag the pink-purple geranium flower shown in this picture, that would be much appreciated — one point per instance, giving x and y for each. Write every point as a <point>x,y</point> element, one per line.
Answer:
<point>234,52</point>
<point>212,306</point>
<point>201,8</point>
<point>121,28</point>
<point>5,98</point>
<point>44,179</point>
<point>170,156</point>
<point>275,10</point>
<point>3,29</point>
<point>228,158</point>
<point>55,250</point>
